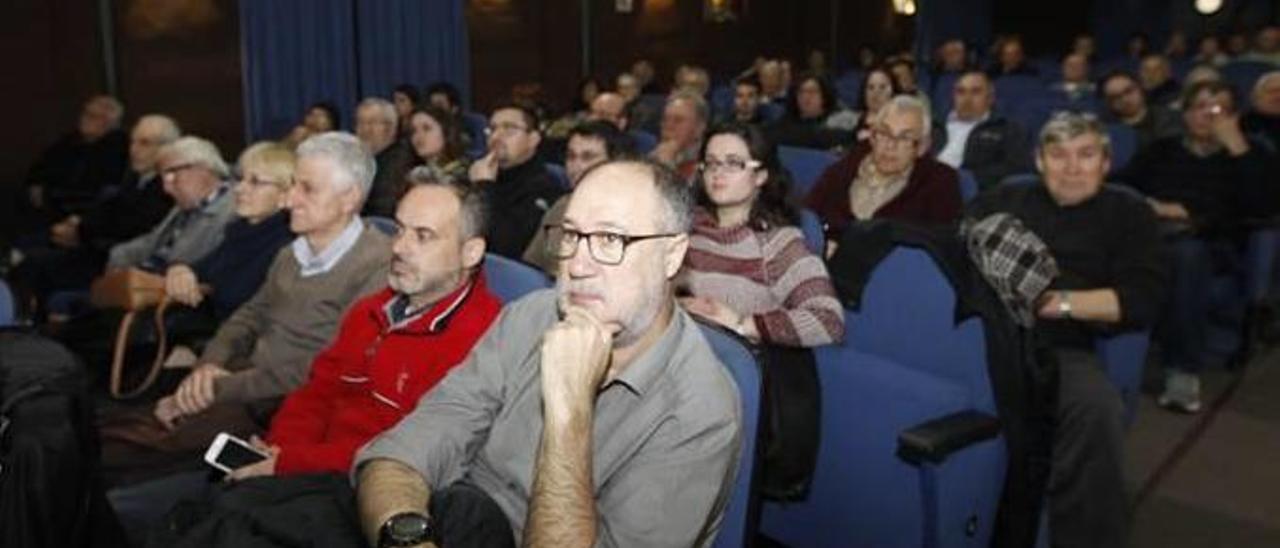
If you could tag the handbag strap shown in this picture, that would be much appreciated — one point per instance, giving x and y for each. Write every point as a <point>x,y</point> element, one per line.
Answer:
<point>122,345</point>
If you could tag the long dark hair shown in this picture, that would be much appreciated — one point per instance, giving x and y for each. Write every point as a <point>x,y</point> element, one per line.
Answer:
<point>862,91</point>
<point>449,126</point>
<point>773,206</point>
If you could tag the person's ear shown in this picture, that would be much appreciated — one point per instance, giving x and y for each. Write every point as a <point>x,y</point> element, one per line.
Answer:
<point>473,252</point>
<point>1039,162</point>
<point>677,247</point>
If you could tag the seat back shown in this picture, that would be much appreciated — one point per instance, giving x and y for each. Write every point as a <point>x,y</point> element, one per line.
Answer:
<point>475,125</point>
<point>908,315</point>
<point>1244,74</point>
<point>385,225</point>
<point>805,166</point>
<point>643,141</point>
<point>509,279</point>
<point>811,226</point>
<point>7,307</point>
<point>743,511</point>
<point>1124,143</point>
<point>559,174</point>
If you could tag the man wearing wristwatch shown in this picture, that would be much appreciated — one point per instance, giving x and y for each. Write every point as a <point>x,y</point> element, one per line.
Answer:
<point>1112,278</point>
<point>594,414</point>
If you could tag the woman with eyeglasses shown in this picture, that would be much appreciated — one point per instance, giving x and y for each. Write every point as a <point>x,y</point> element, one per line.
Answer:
<point>748,268</point>
<point>236,268</point>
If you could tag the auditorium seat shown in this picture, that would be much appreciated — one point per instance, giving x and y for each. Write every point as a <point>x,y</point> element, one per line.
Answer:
<point>742,515</point>
<point>510,279</point>
<point>805,166</point>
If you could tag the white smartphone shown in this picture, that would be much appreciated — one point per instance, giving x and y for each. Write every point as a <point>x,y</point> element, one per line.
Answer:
<point>228,452</point>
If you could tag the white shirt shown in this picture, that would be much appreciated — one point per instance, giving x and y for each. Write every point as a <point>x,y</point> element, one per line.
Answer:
<point>957,136</point>
<point>313,264</point>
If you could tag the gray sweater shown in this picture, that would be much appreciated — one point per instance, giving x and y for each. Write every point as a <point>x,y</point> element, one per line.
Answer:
<point>268,343</point>
<point>201,235</point>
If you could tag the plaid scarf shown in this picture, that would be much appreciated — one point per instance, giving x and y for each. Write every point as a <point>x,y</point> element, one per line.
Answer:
<point>1013,260</point>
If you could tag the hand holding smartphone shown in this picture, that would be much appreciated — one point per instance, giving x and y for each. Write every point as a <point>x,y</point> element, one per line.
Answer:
<point>228,453</point>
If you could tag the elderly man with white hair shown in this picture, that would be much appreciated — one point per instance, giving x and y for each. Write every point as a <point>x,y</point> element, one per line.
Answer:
<point>195,175</point>
<point>376,126</point>
<point>895,178</point>
<point>264,349</point>
<point>71,172</point>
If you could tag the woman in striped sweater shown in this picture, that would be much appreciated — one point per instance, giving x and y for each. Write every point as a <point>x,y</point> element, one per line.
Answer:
<point>748,268</point>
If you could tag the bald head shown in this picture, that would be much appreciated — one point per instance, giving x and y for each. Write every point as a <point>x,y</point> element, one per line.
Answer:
<point>151,132</point>
<point>610,107</point>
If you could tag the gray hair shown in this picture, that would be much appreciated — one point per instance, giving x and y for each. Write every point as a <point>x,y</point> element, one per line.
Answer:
<point>385,108</point>
<point>1065,126</point>
<point>1264,80</point>
<point>700,108</point>
<point>907,103</point>
<point>200,152</point>
<point>473,208</point>
<point>347,153</point>
<point>168,129</point>
<point>676,194</point>
<point>113,105</point>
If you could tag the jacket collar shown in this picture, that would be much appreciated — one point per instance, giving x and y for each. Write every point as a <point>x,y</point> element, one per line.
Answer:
<point>432,319</point>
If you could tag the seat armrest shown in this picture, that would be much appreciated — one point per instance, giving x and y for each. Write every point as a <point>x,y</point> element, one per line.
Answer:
<point>935,440</point>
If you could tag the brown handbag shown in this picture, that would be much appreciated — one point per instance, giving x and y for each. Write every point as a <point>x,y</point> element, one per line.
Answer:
<point>128,289</point>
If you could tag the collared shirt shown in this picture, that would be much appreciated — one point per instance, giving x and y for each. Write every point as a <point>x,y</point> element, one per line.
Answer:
<point>664,439</point>
<point>159,258</point>
<point>957,137</point>
<point>871,190</point>
<point>318,263</point>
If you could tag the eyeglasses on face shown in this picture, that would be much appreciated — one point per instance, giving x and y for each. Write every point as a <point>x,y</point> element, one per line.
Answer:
<point>608,248</point>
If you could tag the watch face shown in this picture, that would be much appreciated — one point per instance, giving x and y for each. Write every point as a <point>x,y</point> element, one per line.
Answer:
<point>409,527</point>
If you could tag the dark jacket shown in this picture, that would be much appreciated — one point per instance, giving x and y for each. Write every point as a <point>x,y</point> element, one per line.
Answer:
<point>137,206</point>
<point>996,148</point>
<point>394,162</point>
<point>237,267</point>
<point>1110,240</point>
<point>517,201</point>
<point>811,133</point>
<point>932,195</point>
<point>1263,128</point>
<point>73,172</point>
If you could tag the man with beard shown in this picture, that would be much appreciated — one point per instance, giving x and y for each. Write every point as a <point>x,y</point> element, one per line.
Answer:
<point>516,184</point>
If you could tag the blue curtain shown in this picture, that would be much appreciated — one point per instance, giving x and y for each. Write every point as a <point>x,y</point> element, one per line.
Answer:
<point>297,52</point>
<point>411,41</point>
<point>940,20</point>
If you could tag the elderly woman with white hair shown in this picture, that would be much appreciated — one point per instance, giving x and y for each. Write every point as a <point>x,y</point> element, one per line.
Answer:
<point>195,175</point>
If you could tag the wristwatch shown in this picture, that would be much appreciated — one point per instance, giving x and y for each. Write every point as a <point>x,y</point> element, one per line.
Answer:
<point>406,529</point>
<point>1064,304</point>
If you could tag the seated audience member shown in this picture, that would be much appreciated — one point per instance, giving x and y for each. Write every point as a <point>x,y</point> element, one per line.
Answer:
<point>1176,46</point>
<point>746,102</point>
<point>1086,45</point>
<point>627,86</point>
<point>1156,75</point>
<point>392,347</point>
<point>952,57</point>
<point>747,268</point>
<point>376,122</point>
<point>816,63</point>
<point>406,98</point>
<point>235,270</point>
<point>319,118</point>
<point>516,184</point>
<point>814,117</point>
<point>866,57</point>
<point>1266,48</point>
<point>1075,82</point>
<point>772,86</point>
<point>903,71</point>
<point>503,451</point>
<point>877,88</point>
<point>893,178</point>
<point>77,245</point>
<point>444,96</point>
<point>1138,46</point>
<point>1263,120</point>
<point>979,139</point>
<point>1113,277</point>
<point>1011,59</point>
<point>70,174</point>
<point>684,120</point>
<point>264,348</point>
<point>1127,104</point>
<point>436,138</point>
<point>588,90</point>
<point>609,107</point>
<point>694,79</point>
<point>1209,52</point>
<point>194,174</point>
<point>1200,186</point>
<point>646,77</point>
<point>589,144</point>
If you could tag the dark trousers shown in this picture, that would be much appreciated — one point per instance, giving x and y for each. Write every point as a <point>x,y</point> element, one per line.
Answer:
<point>1087,502</point>
<point>464,515</point>
<point>1184,331</point>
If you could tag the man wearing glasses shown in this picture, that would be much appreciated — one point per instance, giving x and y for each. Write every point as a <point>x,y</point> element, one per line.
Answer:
<point>977,139</point>
<point>594,414</point>
<point>517,186</point>
<point>1127,104</point>
<point>893,179</point>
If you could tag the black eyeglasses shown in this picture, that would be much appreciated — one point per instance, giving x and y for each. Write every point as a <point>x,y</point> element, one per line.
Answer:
<point>608,248</point>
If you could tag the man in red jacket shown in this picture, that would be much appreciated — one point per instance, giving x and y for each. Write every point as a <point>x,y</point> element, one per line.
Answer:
<point>392,347</point>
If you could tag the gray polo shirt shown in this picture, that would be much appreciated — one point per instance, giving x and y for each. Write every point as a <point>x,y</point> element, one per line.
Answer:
<point>665,437</point>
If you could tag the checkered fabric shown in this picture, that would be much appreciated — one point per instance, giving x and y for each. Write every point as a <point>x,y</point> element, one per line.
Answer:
<point>1013,260</point>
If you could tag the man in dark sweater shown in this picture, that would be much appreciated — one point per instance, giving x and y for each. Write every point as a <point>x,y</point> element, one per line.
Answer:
<point>376,126</point>
<point>517,186</point>
<point>1112,278</point>
<point>71,173</point>
<point>1127,104</point>
<point>1200,187</point>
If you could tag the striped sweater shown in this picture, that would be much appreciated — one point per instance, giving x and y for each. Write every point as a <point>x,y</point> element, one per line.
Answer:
<point>769,274</point>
